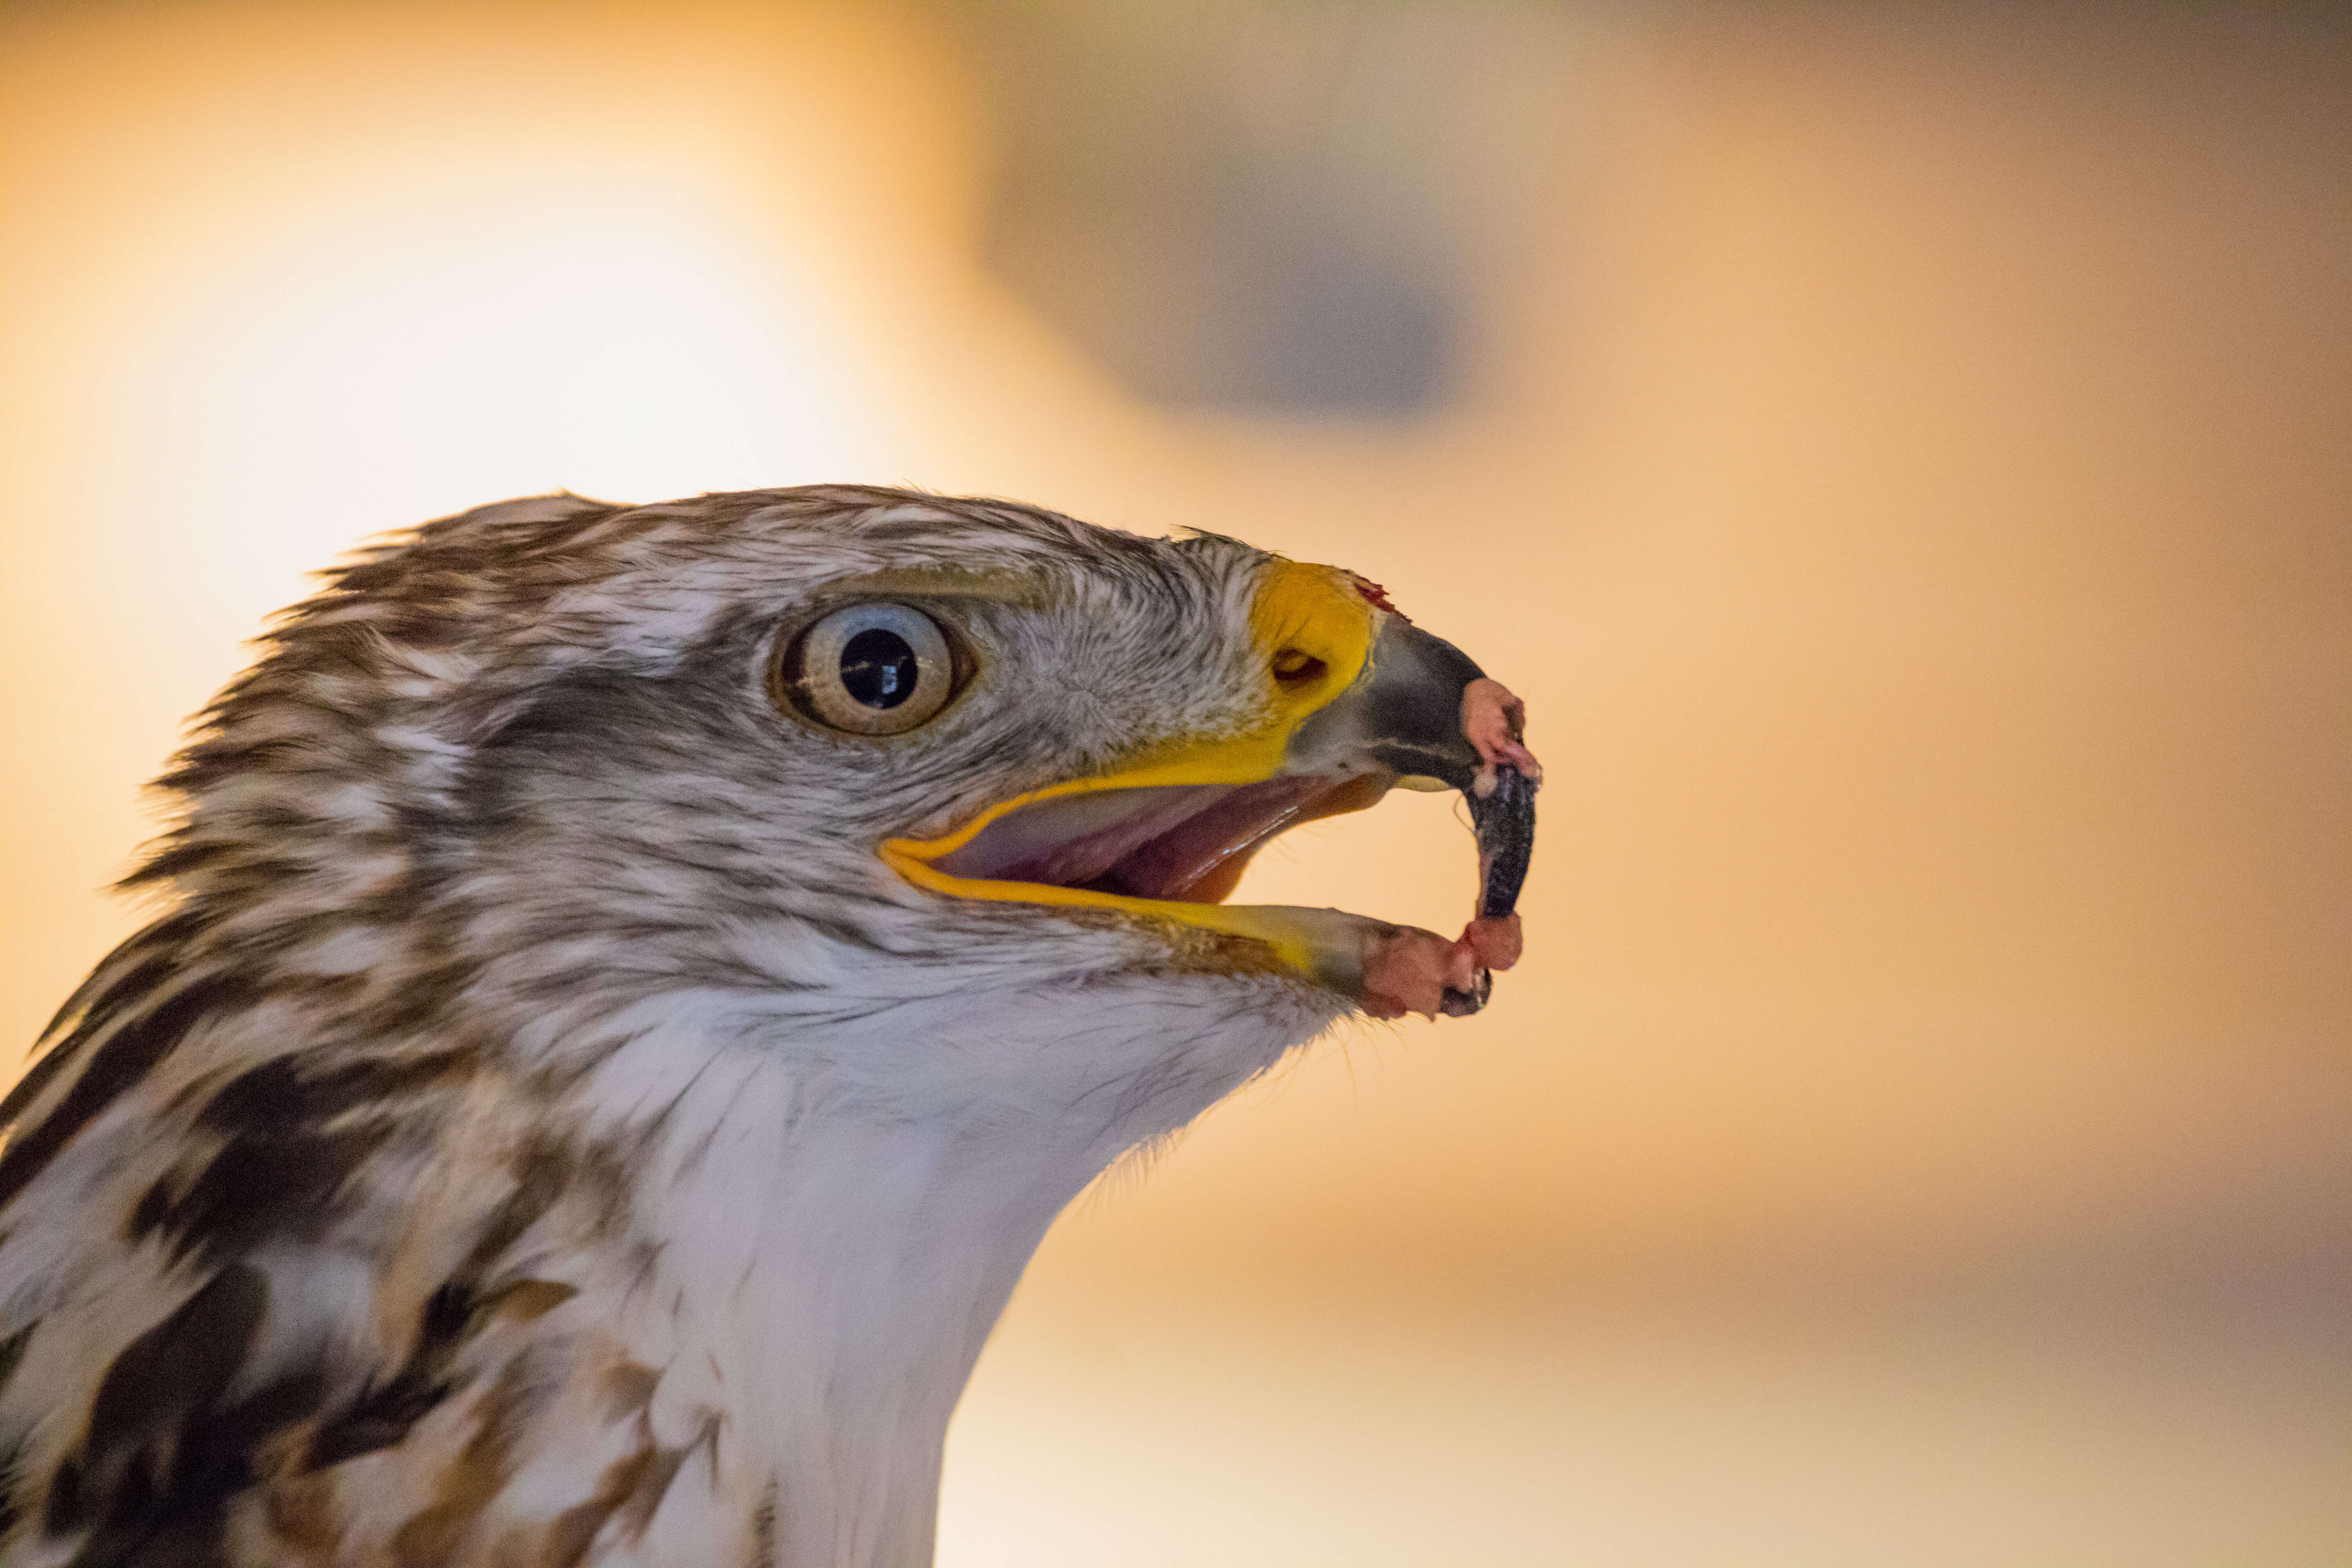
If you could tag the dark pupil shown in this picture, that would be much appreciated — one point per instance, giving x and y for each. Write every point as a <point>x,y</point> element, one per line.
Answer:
<point>878,669</point>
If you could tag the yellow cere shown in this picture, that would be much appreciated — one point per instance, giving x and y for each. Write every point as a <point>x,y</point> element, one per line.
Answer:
<point>1299,610</point>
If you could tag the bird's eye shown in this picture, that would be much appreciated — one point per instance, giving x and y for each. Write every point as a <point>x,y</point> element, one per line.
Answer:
<point>871,670</point>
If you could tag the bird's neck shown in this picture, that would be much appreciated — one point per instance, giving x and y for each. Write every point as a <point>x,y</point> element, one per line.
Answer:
<point>841,1220</point>
<point>860,1275</point>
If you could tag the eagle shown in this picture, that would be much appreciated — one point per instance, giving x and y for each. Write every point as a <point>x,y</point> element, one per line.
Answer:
<point>635,985</point>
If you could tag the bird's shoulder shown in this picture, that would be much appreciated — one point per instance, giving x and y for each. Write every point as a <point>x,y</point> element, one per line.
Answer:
<point>270,1299</point>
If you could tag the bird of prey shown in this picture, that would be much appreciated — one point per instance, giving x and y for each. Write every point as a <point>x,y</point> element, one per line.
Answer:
<point>637,984</point>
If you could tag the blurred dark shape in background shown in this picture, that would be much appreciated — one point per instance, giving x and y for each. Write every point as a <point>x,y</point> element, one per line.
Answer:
<point>1250,208</point>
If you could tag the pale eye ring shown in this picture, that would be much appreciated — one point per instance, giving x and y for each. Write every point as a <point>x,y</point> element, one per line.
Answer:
<point>877,669</point>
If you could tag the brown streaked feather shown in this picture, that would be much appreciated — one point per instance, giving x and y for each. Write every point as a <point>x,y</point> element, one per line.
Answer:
<point>121,1060</point>
<point>300,1512</point>
<point>467,1484</point>
<point>152,1462</point>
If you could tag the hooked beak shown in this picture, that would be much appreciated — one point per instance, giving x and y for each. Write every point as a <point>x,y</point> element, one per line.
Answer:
<point>1361,701</point>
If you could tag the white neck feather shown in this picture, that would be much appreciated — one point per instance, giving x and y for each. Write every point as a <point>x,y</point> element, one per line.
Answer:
<point>843,1209</point>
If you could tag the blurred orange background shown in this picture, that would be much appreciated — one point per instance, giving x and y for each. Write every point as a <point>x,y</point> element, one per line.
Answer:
<point>1903,456</point>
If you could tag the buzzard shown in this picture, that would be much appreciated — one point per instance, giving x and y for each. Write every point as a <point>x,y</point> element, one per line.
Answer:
<point>638,983</point>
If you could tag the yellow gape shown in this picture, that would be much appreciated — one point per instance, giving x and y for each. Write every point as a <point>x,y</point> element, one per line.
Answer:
<point>1315,630</point>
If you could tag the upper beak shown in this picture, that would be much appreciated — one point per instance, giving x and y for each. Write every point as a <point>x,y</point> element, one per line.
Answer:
<point>1402,716</point>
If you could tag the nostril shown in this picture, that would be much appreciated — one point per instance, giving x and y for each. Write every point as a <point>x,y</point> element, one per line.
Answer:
<point>1296,667</point>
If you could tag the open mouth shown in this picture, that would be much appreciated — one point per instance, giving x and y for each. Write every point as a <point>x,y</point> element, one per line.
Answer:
<point>1181,842</point>
<point>1380,703</point>
<point>1177,852</point>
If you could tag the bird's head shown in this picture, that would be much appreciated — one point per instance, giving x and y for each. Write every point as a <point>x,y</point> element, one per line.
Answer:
<point>836,748</point>
<point>727,931</point>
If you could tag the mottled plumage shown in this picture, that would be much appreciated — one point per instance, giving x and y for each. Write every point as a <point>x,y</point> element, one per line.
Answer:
<point>548,1129</point>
